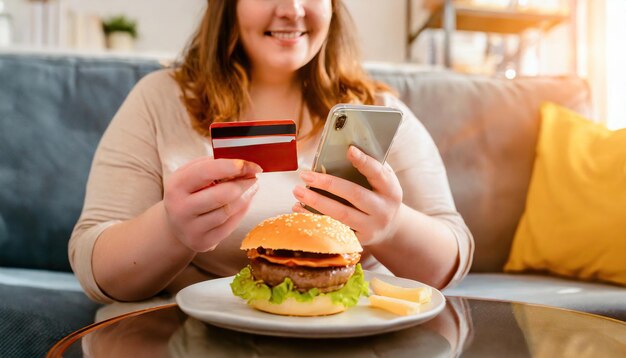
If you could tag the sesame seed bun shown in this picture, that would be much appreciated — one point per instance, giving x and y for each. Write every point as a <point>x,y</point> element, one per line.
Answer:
<point>303,232</point>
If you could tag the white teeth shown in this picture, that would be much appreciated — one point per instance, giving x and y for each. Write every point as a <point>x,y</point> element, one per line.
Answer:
<point>286,35</point>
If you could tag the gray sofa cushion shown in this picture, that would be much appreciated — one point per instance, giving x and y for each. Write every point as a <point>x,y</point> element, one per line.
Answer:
<point>51,280</point>
<point>34,319</point>
<point>597,298</point>
<point>38,308</point>
<point>52,114</point>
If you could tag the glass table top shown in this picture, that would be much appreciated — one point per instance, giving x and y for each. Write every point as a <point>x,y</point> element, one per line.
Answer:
<point>466,328</point>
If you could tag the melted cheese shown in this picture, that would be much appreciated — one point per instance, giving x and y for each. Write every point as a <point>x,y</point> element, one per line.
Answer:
<point>336,260</point>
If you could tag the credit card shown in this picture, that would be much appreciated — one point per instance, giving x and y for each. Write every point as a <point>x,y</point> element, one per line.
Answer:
<point>270,144</point>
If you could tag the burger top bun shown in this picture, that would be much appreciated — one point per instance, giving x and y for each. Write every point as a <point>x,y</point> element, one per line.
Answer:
<point>303,232</point>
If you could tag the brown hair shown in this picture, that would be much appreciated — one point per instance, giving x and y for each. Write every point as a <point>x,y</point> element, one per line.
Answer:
<point>214,78</point>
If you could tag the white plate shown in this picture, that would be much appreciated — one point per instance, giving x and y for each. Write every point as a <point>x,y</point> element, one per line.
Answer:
<point>213,302</point>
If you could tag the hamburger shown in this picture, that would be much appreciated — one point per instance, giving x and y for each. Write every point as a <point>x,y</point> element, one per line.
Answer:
<point>301,265</point>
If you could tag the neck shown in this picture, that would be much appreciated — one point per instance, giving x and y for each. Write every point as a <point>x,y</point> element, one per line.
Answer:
<point>274,96</point>
<point>262,91</point>
<point>274,79</point>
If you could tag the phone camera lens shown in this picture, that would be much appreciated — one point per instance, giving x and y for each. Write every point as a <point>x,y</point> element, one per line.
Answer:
<point>341,121</point>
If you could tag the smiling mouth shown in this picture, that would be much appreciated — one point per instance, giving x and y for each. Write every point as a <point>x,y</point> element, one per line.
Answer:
<point>285,35</point>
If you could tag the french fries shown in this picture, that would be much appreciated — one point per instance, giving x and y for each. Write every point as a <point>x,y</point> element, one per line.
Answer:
<point>396,299</point>
<point>417,294</point>
<point>395,305</point>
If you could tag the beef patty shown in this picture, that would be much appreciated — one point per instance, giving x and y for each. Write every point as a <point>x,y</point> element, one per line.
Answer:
<point>304,278</point>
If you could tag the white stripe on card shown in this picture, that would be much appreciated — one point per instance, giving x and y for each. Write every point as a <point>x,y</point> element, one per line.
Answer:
<point>242,142</point>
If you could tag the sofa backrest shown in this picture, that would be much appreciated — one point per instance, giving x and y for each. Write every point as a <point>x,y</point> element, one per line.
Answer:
<point>486,130</point>
<point>53,110</point>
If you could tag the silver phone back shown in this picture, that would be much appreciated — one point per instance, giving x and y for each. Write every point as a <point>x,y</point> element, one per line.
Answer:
<point>369,128</point>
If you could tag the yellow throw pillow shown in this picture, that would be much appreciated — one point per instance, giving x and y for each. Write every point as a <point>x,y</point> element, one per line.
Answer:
<point>574,223</point>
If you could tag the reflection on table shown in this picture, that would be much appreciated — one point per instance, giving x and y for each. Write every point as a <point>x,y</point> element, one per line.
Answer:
<point>467,327</point>
<point>170,333</point>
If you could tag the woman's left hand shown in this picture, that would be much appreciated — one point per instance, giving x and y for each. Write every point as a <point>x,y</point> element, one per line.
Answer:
<point>375,211</point>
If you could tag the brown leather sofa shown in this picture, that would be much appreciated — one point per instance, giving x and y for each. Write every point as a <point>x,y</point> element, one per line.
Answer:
<point>486,130</point>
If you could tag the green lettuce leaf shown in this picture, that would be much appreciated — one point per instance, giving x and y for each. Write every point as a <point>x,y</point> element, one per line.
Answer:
<point>245,286</point>
<point>349,294</point>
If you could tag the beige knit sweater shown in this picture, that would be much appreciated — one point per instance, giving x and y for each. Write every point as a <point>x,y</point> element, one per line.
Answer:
<point>151,136</point>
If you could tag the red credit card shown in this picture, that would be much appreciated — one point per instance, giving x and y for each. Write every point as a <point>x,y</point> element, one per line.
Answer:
<point>270,144</point>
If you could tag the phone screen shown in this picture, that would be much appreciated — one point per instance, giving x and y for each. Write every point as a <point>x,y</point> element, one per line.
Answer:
<point>369,128</point>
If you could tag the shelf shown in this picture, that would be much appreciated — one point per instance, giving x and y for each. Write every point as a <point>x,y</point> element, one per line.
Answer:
<point>490,20</point>
<point>451,16</point>
<point>498,21</point>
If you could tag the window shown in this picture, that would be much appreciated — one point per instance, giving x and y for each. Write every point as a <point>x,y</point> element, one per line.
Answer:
<point>615,30</point>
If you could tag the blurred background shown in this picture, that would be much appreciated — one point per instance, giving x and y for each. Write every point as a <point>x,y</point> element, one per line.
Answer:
<point>507,38</point>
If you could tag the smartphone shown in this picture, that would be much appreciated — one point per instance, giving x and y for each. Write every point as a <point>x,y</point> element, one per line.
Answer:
<point>369,128</point>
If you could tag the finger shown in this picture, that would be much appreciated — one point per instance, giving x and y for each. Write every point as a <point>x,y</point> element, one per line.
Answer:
<point>199,228</point>
<point>381,177</point>
<point>220,215</point>
<point>299,208</point>
<point>225,229</point>
<point>206,171</point>
<point>362,198</point>
<point>357,223</point>
<point>346,214</point>
<point>214,197</point>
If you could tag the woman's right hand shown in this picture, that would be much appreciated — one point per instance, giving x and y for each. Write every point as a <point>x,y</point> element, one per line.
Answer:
<point>206,199</point>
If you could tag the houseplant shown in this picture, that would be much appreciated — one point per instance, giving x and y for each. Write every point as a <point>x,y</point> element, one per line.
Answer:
<point>120,32</point>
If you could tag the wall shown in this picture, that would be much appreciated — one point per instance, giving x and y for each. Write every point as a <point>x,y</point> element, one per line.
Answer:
<point>165,25</point>
<point>382,28</point>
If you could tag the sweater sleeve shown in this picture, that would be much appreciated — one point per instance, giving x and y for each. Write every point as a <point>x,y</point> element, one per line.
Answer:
<point>125,178</point>
<point>417,163</point>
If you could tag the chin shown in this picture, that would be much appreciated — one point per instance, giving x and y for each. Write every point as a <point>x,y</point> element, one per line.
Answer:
<point>288,65</point>
<point>286,59</point>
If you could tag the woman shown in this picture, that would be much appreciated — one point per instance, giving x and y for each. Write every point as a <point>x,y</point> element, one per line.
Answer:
<point>160,213</point>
